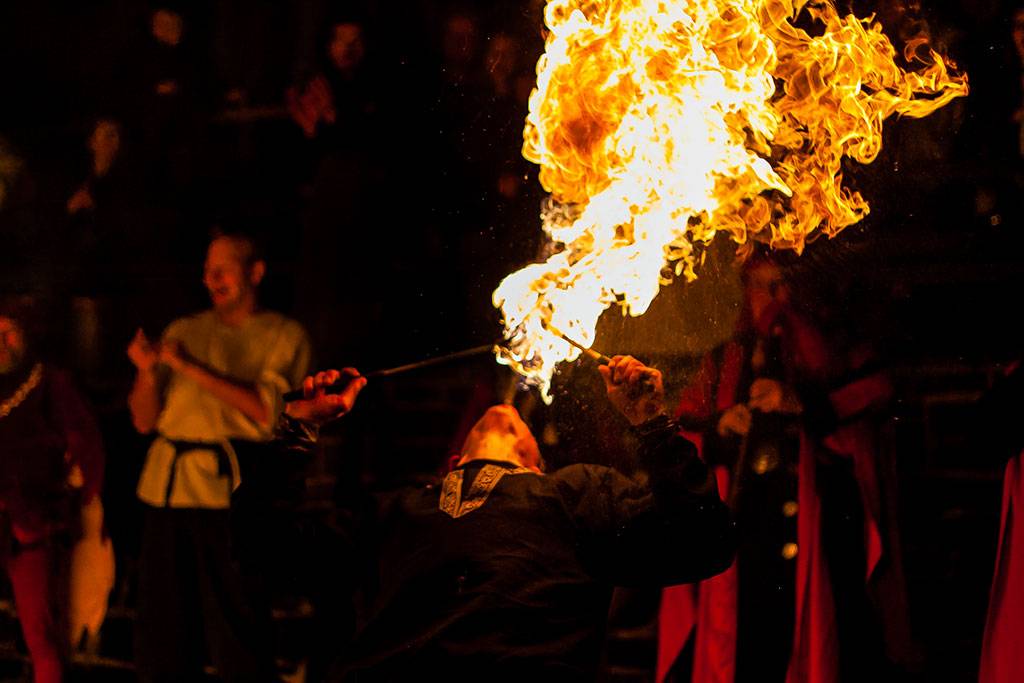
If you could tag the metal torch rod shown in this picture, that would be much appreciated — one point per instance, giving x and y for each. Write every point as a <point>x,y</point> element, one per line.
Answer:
<point>338,387</point>
<point>590,353</point>
<point>599,357</point>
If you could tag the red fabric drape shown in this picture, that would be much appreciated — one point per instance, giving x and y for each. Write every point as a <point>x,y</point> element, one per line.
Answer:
<point>1002,657</point>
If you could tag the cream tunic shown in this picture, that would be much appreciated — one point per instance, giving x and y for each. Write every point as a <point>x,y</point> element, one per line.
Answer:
<point>268,350</point>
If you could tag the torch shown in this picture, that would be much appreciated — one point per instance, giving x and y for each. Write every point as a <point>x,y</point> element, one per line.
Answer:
<point>296,394</point>
<point>337,388</point>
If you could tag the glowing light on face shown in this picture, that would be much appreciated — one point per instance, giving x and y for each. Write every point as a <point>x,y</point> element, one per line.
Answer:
<point>227,274</point>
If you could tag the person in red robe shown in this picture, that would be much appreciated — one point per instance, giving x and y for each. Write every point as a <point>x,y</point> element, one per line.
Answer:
<point>1002,658</point>
<point>51,471</point>
<point>792,430</point>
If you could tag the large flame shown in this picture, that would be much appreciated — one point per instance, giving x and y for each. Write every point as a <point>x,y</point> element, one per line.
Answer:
<point>657,123</point>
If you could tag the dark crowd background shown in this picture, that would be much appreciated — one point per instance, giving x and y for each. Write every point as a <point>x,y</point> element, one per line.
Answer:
<point>385,181</point>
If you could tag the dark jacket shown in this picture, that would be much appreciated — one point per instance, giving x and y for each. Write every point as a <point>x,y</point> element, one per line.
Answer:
<point>498,573</point>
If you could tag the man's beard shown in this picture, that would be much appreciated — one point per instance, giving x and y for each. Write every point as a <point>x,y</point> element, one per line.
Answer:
<point>11,372</point>
<point>12,360</point>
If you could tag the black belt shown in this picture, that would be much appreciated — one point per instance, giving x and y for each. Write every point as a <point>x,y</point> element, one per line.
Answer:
<point>180,447</point>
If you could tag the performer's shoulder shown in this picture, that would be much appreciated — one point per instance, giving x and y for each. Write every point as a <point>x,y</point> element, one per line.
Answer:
<point>582,473</point>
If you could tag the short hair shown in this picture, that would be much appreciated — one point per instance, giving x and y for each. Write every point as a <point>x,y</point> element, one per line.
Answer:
<point>249,246</point>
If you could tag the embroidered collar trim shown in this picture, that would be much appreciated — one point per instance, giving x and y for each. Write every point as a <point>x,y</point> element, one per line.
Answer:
<point>453,504</point>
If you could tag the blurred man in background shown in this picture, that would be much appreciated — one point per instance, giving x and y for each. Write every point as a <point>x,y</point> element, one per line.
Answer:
<point>210,389</point>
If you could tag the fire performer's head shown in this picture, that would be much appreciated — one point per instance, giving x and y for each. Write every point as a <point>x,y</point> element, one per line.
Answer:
<point>232,274</point>
<point>502,435</point>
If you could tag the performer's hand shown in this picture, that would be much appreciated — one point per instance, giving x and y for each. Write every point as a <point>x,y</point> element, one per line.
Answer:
<point>141,353</point>
<point>772,396</point>
<point>317,406</point>
<point>735,420</point>
<point>633,388</point>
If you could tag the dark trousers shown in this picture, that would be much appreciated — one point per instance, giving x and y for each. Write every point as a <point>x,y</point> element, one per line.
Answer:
<point>193,593</point>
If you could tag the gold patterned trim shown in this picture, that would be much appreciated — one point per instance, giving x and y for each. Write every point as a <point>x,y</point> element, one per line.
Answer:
<point>452,502</point>
<point>22,392</point>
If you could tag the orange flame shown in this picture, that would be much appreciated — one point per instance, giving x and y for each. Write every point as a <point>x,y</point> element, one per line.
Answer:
<point>658,123</point>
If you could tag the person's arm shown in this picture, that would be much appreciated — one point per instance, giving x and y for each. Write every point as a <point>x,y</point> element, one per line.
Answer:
<point>682,525</point>
<point>665,528</point>
<point>242,396</point>
<point>671,528</point>
<point>82,434</point>
<point>846,404</point>
<point>144,400</point>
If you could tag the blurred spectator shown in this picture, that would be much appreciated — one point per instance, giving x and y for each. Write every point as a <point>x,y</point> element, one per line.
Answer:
<point>211,390</point>
<point>104,144</point>
<point>462,84</point>
<point>166,27</point>
<point>344,155</point>
<point>792,427</point>
<point>458,181</point>
<point>510,82</point>
<point>169,109</point>
<point>50,477</point>
<point>505,183</point>
<point>98,207</point>
<point>255,45</point>
<point>103,229</point>
<point>460,48</point>
<point>338,104</point>
<point>461,90</point>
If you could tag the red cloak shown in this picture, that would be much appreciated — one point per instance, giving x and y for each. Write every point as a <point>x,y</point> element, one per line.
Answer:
<point>1002,657</point>
<point>710,607</point>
